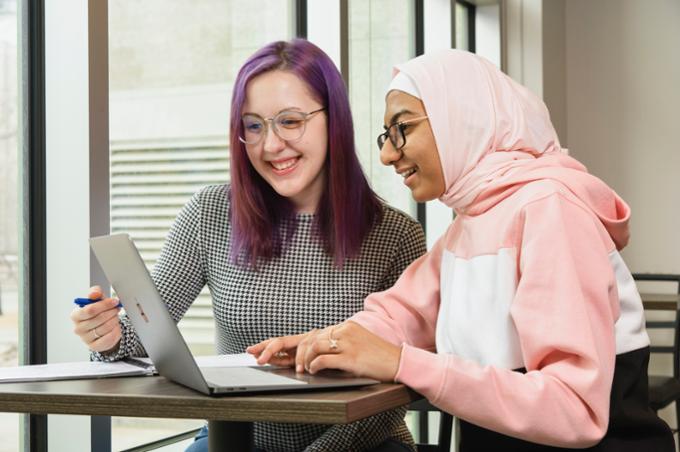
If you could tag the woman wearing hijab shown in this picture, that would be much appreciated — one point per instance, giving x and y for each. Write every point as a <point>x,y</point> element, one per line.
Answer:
<point>523,320</point>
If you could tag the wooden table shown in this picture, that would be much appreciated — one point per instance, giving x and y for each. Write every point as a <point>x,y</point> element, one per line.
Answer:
<point>230,417</point>
<point>660,302</point>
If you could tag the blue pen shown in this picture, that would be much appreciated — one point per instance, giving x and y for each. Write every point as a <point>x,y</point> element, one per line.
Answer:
<point>85,301</point>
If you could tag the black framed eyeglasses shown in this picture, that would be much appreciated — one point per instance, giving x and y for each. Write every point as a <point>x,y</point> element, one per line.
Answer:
<point>289,125</point>
<point>395,133</point>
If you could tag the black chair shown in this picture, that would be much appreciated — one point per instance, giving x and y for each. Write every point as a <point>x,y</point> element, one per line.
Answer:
<point>665,389</point>
<point>423,408</point>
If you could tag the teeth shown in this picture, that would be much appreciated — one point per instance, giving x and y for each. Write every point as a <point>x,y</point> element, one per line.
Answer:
<point>284,165</point>
<point>406,174</point>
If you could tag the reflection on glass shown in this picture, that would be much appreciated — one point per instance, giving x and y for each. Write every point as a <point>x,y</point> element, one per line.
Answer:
<point>378,41</point>
<point>9,240</point>
<point>171,69</point>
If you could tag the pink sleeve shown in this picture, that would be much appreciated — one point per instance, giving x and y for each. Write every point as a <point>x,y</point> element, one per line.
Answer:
<point>407,312</point>
<point>564,311</point>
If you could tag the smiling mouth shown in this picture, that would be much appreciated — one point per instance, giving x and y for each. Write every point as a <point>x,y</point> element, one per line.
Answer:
<point>282,165</point>
<point>408,172</point>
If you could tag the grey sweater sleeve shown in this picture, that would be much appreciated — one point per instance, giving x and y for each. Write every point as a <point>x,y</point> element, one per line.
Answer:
<point>179,275</point>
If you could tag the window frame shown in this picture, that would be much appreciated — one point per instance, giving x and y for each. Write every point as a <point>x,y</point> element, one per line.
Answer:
<point>32,210</point>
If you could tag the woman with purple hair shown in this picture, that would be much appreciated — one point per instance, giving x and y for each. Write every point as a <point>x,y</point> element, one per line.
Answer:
<point>295,242</point>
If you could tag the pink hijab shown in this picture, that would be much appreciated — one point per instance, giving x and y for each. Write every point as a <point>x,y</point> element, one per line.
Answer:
<point>493,134</point>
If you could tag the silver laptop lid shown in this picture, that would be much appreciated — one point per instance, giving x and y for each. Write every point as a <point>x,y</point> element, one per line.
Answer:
<point>125,270</point>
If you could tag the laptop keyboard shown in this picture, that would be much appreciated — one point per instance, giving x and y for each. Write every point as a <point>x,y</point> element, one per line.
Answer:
<point>245,377</point>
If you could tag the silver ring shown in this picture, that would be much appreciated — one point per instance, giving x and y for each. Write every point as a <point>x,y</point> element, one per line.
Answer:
<point>96,336</point>
<point>281,354</point>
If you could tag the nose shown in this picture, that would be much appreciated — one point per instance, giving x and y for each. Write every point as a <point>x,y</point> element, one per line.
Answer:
<point>272,142</point>
<point>388,154</point>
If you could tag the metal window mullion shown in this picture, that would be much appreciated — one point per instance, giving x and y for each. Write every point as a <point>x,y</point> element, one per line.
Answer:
<point>301,19</point>
<point>472,20</point>
<point>419,25</point>
<point>34,282</point>
<point>419,37</point>
<point>99,199</point>
<point>344,41</point>
<point>452,18</point>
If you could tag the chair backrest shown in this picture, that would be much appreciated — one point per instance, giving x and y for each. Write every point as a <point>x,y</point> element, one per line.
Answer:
<point>674,325</point>
<point>423,408</point>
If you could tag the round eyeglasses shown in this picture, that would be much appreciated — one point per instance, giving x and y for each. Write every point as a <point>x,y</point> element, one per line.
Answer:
<point>395,133</point>
<point>289,125</point>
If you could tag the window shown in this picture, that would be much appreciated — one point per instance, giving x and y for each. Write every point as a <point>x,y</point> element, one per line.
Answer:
<point>376,44</point>
<point>464,15</point>
<point>171,69</point>
<point>487,31</point>
<point>9,183</point>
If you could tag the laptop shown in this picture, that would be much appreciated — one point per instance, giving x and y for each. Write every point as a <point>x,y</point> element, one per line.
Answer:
<point>125,270</point>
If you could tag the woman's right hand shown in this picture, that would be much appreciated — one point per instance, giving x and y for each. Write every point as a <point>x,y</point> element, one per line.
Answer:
<point>278,351</point>
<point>97,323</point>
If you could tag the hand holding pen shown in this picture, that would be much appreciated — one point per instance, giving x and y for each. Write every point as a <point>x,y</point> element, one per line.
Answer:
<point>82,302</point>
<point>96,321</point>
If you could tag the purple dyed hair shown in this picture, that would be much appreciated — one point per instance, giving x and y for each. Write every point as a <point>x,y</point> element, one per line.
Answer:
<point>348,208</point>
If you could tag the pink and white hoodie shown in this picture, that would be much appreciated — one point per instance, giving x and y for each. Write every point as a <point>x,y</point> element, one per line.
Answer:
<point>523,320</point>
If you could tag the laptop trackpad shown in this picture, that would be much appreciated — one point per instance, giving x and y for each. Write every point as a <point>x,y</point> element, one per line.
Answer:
<point>245,377</point>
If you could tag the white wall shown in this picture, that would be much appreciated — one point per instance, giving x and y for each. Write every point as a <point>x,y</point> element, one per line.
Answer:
<point>623,93</point>
<point>523,42</point>
<point>608,71</point>
<point>554,66</point>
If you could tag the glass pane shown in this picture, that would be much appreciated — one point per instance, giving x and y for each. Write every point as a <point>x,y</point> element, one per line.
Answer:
<point>171,68</point>
<point>9,189</point>
<point>488,32</point>
<point>462,29</point>
<point>381,35</point>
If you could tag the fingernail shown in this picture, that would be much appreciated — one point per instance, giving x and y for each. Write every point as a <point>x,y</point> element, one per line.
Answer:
<point>298,368</point>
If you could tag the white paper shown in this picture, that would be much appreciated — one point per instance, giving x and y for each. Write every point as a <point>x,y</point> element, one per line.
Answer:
<point>235,360</point>
<point>68,371</point>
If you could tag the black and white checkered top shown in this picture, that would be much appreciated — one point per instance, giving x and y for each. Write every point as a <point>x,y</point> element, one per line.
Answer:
<point>291,294</point>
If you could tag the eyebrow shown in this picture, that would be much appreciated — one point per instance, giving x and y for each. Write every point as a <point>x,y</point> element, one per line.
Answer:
<point>397,115</point>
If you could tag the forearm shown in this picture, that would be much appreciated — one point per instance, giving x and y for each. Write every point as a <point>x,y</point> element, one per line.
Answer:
<point>564,405</point>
